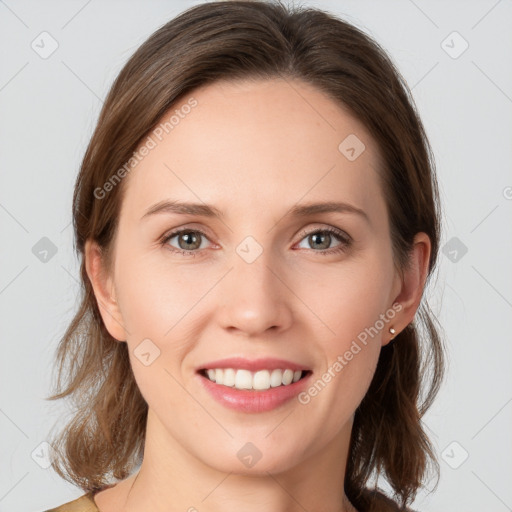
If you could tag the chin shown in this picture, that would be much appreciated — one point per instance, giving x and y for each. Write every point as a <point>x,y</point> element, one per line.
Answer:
<point>253,458</point>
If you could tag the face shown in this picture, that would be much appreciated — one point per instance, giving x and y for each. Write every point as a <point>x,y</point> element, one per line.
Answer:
<point>257,279</point>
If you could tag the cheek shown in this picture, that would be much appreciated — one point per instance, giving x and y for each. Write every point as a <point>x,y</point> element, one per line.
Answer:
<point>157,298</point>
<point>352,306</point>
<point>347,299</point>
<point>156,310</point>
<point>338,388</point>
<point>161,310</point>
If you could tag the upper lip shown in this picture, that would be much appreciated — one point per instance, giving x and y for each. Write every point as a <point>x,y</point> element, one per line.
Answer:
<point>253,365</point>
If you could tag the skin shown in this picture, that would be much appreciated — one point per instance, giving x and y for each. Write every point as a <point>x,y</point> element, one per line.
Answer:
<point>253,149</point>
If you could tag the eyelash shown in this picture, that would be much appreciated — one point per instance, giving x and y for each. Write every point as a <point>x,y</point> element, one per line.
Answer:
<point>339,235</point>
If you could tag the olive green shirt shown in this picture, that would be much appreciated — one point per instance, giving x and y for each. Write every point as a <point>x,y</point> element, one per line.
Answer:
<point>86,503</point>
<point>83,504</point>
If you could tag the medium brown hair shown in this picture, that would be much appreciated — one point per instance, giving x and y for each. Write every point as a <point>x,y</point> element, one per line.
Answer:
<point>229,40</point>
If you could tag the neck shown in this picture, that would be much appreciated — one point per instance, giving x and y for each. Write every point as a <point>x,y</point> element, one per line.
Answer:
<point>171,476</point>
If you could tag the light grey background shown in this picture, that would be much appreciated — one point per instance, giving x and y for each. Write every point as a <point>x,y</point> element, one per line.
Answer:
<point>49,107</point>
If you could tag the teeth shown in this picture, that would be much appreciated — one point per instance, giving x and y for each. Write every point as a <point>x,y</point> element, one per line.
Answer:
<point>228,377</point>
<point>260,380</point>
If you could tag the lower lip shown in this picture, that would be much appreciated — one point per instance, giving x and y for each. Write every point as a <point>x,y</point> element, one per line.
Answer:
<point>253,400</point>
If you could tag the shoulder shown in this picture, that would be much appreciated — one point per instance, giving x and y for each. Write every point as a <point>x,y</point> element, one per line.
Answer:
<point>84,503</point>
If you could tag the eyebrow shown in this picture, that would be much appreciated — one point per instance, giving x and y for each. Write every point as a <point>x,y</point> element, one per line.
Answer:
<point>206,210</point>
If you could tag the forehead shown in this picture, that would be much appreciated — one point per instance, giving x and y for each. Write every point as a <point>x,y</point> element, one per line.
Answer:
<point>256,145</point>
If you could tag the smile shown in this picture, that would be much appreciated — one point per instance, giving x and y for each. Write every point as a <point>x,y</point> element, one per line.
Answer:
<point>260,380</point>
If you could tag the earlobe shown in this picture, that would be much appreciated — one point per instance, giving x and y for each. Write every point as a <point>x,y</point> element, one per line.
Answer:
<point>104,291</point>
<point>412,285</point>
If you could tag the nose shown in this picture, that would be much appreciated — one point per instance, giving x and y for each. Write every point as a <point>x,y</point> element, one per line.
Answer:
<point>254,298</point>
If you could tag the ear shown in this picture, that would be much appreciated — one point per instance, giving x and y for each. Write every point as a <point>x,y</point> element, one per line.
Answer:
<point>411,285</point>
<point>104,291</point>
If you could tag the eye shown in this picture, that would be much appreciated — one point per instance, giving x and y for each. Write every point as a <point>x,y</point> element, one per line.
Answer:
<point>322,238</point>
<point>188,240</point>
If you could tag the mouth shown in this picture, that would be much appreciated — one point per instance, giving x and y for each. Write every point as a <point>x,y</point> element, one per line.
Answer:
<point>257,391</point>
<point>261,380</point>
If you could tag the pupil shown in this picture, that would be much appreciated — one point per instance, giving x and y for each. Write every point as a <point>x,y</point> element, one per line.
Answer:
<point>190,239</point>
<point>325,236</point>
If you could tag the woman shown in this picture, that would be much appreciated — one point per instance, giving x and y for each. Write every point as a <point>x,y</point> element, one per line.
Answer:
<point>216,348</point>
